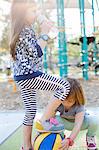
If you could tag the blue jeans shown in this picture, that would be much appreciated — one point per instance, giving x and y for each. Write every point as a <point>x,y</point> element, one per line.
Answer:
<point>90,122</point>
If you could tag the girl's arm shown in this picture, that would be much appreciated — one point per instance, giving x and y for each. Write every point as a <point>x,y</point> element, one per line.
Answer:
<point>45,24</point>
<point>77,126</point>
<point>45,27</point>
<point>42,43</point>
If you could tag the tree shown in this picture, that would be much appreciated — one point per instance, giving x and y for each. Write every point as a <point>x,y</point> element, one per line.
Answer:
<point>4,43</point>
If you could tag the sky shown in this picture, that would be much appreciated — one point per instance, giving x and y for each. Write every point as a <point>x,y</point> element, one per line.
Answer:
<point>4,9</point>
<point>72,19</point>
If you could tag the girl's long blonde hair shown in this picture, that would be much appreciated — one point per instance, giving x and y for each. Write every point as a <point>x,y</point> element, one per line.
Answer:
<point>18,19</point>
<point>76,91</point>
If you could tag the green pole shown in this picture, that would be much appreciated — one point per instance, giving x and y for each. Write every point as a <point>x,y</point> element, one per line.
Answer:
<point>62,46</point>
<point>94,43</point>
<point>97,4</point>
<point>41,3</point>
<point>45,60</point>
<point>84,43</point>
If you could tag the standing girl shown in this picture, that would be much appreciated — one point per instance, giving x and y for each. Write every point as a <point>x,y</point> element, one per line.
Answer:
<point>27,67</point>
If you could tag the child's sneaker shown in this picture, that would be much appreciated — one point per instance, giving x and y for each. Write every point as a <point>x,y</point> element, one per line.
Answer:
<point>51,125</point>
<point>91,145</point>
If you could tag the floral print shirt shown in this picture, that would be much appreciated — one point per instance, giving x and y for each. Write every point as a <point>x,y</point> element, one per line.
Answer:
<point>28,59</point>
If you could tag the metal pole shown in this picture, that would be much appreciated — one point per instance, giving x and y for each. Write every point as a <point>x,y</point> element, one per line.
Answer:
<point>62,45</point>
<point>97,4</point>
<point>94,30</point>
<point>45,49</point>
<point>84,43</point>
<point>45,60</point>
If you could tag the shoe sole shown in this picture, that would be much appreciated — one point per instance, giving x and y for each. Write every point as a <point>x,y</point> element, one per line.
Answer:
<point>44,131</point>
<point>92,149</point>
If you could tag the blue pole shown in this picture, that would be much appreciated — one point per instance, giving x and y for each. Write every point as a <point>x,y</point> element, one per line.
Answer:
<point>97,4</point>
<point>84,43</point>
<point>45,60</point>
<point>94,43</point>
<point>62,45</point>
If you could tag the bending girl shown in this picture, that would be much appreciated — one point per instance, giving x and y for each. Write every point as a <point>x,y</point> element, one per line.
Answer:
<point>75,118</point>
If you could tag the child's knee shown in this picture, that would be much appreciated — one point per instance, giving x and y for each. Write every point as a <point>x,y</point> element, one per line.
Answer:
<point>93,122</point>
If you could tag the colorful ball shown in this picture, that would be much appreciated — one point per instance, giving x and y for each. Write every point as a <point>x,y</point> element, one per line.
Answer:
<point>48,141</point>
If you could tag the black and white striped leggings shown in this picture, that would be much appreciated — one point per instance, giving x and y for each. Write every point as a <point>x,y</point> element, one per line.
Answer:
<point>43,82</point>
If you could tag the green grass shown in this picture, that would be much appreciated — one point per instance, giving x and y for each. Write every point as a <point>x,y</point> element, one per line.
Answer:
<point>14,142</point>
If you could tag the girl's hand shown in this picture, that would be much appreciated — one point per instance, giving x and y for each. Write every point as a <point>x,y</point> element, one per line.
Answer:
<point>46,26</point>
<point>65,145</point>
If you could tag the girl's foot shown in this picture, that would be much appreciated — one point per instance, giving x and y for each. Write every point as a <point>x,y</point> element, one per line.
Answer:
<point>90,141</point>
<point>29,148</point>
<point>51,125</point>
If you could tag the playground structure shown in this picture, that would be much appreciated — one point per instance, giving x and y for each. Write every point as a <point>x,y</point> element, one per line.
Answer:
<point>86,54</point>
<point>62,44</point>
<point>90,57</point>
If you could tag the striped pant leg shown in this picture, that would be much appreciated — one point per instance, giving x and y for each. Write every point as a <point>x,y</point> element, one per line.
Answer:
<point>48,83</point>
<point>29,100</point>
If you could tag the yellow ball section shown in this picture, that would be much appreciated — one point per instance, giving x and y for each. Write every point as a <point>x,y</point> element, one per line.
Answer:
<point>48,141</point>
